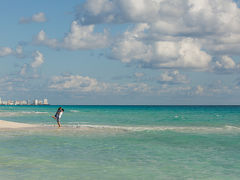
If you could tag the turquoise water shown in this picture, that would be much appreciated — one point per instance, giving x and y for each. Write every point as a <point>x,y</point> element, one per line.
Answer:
<point>122,142</point>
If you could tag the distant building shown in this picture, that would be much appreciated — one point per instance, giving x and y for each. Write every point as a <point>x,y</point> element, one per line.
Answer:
<point>24,102</point>
<point>35,102</point>
<point>10,102</point>
<point>45,101</point>
<point>4,102</point>
<point>16,102</point>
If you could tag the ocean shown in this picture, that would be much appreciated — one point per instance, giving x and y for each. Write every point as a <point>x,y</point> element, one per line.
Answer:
<point>122,142</point>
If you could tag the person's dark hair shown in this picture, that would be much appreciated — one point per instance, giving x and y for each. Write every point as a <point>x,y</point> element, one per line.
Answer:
<point>62,109</point>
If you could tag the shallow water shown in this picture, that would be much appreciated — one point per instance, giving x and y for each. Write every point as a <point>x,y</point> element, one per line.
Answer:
<point>122,142</point>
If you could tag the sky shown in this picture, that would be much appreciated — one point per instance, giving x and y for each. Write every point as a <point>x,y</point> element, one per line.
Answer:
<point>121,52</point>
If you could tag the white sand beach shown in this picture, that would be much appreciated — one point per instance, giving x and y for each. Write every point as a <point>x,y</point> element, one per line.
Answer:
<point>14,125</point>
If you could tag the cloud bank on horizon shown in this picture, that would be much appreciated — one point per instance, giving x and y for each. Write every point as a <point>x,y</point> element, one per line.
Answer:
<point>182,41</point>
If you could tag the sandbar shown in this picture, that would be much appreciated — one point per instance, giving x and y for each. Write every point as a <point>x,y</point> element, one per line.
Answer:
<point>14,125</point>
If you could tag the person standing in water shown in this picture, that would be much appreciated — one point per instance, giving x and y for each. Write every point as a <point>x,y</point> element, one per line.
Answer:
<point>58,115</point>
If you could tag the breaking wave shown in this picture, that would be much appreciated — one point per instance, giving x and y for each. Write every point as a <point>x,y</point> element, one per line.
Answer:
<point>9,114</point>
<point>74,111</point>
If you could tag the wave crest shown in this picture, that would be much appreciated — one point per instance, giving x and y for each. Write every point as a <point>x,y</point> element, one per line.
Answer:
<point>8,114</point>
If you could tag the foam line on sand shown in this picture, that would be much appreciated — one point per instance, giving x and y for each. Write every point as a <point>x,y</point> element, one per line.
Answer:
<point>14,125</point>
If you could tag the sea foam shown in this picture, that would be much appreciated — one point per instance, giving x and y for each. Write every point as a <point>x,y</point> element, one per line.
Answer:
<point>187,129</point>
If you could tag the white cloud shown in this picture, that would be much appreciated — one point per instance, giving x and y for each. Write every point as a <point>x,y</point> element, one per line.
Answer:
<point>122,11</point>
<point>38,59</point>
<point>79,37</point>
<point>77,83</point>
<point>42,39</point>
<point>29,70</point>
<point>23,70</point>
<point>179,16</point>
<point>83,37</point>
<point>19,50</point>
<point>176,34</point>
<point>213,24</point>
<point>182,54</point>
<point>172,77</point>
<point>199,90</point>
<point>226,65</point>
<point>175,53</point>
<point>85,84</point>
<point>4,51</point>
<point>39,17</point>
<point>130,48</point>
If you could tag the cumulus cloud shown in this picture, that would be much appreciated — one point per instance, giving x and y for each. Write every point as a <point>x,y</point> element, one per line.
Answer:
<point>5,51</point>
<point>172,77</point>
<point>173,34</point>
<point>226,65</point>
<point>39,17</point>
<point>85,84</point>
<point>129,47</point>
<point>199,90</point>
<point>182,54</point>
<point>42,39</point>
<point>176,16</point>
<point>118,11</point>
<point>176,34</point>
<point>83,37</point>
<point>30,69</point>
<point>79,37</point>
<point>176,53</point>
<point>38,59</point>
<point>77,83</point>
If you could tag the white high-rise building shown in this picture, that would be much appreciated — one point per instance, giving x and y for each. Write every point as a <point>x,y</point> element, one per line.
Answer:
<point>35,102</point>
<point>0,101</point>
<point>45,101</point>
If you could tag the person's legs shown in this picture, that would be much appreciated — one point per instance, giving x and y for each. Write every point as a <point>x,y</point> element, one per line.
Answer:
<point>58,122</point>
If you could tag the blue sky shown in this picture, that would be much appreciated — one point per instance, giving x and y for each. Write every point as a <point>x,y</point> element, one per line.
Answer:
<point>120,51</point>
